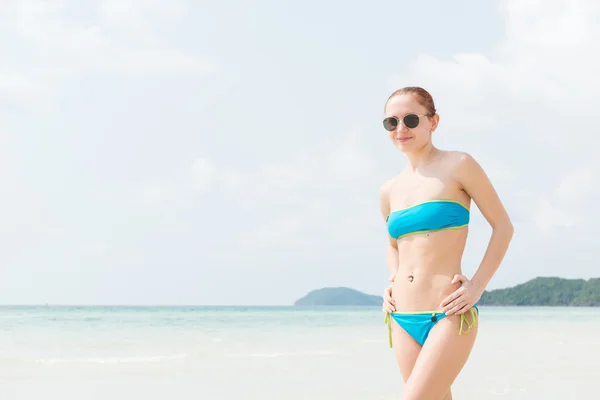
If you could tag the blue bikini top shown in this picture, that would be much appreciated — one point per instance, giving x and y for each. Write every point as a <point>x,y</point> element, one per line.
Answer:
<point>428,216</point>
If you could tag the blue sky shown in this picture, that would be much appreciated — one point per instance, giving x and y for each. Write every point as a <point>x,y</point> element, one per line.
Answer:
<point>194,152</point>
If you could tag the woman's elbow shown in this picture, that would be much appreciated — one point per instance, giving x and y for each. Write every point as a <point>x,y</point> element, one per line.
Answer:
<point>505,228</point>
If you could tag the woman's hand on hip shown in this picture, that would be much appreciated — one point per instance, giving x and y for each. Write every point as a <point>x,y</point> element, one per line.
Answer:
<point>463,298</point>
<point>389,305</point>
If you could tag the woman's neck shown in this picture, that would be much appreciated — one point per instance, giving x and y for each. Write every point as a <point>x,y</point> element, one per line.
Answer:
<point>421,157</point>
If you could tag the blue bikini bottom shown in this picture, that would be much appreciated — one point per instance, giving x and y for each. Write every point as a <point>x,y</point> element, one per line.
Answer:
<point>419,324</point>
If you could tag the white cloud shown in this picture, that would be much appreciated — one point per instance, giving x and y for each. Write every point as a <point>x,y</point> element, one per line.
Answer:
<point>325,195</point>
<point>155,194</point>
<point>132,15</point>
<point>548,216</point>
<point>177,190</point>
<point>577,184</point>
<point>203,173</point>
<point>550,23</point>
<point>17,87</point>
<point>570,203</point>
<point>95,248</point>
<point>284,232</point>
<point>60,47</point>
<point>349,162</point>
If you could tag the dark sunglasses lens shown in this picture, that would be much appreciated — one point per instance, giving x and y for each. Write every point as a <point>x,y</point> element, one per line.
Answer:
<point>390,123</point>
<point>411,121</point>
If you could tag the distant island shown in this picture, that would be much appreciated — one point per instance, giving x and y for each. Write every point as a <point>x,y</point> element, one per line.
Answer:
<point>338,296</point>
<point>541,291</point>
<point>547,291</point>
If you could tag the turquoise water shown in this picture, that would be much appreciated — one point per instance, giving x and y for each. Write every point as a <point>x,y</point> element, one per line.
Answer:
<point>212,316</point>
<point>277,352</point>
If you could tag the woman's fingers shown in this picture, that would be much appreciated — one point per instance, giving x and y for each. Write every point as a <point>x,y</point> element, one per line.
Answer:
<point>456,306</point>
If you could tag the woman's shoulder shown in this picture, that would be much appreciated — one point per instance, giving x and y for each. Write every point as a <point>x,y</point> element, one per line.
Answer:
<point>384,189</point>
<point>458,156</point>
<point>459,161</point>
<point>462,165</point>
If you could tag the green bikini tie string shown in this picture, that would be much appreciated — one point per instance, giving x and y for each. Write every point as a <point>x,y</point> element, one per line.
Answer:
<point>388,320</point>
<point>463,319</point>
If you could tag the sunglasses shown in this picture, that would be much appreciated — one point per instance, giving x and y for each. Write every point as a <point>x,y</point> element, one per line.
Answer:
<point>409,120</point>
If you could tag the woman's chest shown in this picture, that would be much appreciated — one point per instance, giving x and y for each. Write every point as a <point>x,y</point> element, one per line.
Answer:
<point>407,192</point>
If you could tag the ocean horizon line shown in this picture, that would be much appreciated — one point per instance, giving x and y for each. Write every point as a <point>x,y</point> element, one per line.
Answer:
<point>178,305</point>
<point>273,306</point>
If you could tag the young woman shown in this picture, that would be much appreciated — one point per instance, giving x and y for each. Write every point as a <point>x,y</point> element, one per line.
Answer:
<point>431,308</point>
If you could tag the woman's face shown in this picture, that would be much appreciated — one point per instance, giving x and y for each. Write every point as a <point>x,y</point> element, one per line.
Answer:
<point>402,110</point>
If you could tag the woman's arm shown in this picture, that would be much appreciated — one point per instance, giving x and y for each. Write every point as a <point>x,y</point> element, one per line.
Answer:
<point>474,181</point>
<point>392,247</point>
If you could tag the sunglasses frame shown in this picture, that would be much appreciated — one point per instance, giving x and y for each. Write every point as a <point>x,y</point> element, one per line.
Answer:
<point>404,122</point>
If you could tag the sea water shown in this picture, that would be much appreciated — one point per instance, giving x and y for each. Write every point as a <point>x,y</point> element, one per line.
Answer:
<point>280,353</point>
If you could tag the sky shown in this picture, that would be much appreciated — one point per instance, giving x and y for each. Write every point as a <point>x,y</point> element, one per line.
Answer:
<point>229,153</point>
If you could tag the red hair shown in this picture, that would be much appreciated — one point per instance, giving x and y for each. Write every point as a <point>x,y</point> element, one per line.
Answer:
<point>422,95</point>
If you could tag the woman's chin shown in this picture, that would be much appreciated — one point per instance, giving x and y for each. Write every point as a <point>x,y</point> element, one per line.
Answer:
<point>404,146</point>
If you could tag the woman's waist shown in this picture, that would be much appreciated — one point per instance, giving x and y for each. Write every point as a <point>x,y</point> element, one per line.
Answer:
<point>423,290</point>
<point>430,268</point>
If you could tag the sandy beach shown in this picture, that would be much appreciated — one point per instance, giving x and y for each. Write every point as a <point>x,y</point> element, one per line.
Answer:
<point>273,353</point>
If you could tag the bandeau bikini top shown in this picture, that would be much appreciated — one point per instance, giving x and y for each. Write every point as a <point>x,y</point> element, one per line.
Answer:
<point>428,216</point>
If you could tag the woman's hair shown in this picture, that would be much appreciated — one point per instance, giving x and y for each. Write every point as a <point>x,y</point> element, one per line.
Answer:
<point>422,95</point>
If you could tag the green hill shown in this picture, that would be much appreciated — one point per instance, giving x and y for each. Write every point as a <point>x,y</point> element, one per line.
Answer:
<point>338,296</point>
<point>547,291</point>
<point>541,291</point>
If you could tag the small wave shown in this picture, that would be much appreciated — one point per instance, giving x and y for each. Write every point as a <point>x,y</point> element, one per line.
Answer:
<point>286,354</point>
<point>109,360</point>
<point>506,390</point>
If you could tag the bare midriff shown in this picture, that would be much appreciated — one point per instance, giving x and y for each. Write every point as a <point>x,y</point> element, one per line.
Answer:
<point>427,263</point>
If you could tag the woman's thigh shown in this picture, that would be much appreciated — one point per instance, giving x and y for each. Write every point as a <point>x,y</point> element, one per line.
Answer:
<point>441,359</point>
<point>406,348</point>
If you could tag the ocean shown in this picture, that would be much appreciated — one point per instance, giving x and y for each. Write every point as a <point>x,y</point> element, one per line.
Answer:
<point>320,353</point>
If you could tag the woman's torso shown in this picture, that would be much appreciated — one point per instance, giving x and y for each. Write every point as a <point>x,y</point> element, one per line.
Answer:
<point>427,261</point>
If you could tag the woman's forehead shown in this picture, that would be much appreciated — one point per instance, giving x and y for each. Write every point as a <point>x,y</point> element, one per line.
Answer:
<point>403,104</point>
